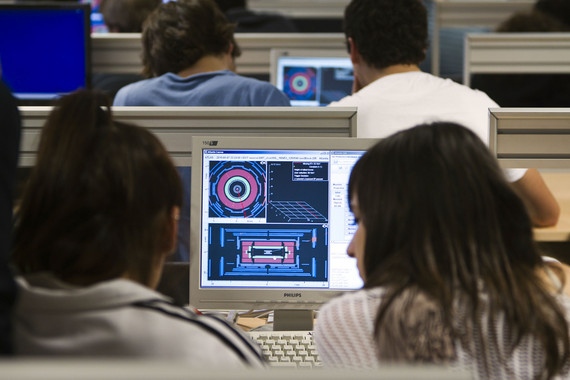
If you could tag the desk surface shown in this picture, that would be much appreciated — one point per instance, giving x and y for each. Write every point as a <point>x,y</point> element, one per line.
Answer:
<point>559,184</point>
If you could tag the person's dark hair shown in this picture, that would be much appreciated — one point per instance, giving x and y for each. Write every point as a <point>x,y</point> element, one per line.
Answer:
<point>226,5</point>
<point>388,32</point>
<point>126,16</point>
<point>181,32</point>
<point>532,21</point>
<point>443,224</point>
<point>559,9</point>
<point>99,201</point>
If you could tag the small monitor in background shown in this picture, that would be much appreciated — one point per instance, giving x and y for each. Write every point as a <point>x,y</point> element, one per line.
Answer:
<point>312,77</point>
<point>44,50</point>
<point>97,21</point>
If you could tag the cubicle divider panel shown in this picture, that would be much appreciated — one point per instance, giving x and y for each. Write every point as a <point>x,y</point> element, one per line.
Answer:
<point>301,8</point>
<point>469,13</point>
<point>530,137</point>
<point>175,126</point>
<point>121,52</point>
<point>509,53</point>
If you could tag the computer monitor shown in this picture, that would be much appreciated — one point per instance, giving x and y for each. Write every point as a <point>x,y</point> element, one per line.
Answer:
<point>44,49</point>
<point>312,77</point>
<point>270,222</point>
<point>97,21</point>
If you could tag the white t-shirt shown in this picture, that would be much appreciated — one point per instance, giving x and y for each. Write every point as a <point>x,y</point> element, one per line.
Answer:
<point>400,101</point>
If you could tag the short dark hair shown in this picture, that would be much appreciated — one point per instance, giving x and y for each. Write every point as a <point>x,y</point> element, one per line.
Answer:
<point>532,21</point>
<point>559,9</point>
<point>181,32</point>
<point>226,5</point>
<point>99,200</point>
<point>126,16</point>
<point>388,32</point>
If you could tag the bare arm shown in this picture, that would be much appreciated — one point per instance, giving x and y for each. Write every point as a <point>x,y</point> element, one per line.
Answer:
<point>542,206</point>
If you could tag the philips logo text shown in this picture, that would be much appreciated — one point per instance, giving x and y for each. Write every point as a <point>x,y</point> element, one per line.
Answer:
<point>292,295</point>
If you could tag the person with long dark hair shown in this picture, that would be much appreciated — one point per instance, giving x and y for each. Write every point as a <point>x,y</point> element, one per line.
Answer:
<point>96,222</point>
<point>451,272</point>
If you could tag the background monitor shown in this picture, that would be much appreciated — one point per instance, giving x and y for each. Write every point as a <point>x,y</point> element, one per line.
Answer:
<point>312,77</point>
<point>270,222</point>
<point>44,49</point>
<point>97,21</point>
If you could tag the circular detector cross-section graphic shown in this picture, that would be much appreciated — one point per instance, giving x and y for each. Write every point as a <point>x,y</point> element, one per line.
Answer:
<point>237,189</point>
<point>300,83</point>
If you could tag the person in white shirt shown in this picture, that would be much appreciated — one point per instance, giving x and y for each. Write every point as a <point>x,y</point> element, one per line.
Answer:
<point>387,40</point>
<point>451,274</point>
<point>96,221</point>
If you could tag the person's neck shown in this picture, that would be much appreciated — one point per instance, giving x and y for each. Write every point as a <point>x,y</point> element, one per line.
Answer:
<point>371,74</point>
<point>208,64</point>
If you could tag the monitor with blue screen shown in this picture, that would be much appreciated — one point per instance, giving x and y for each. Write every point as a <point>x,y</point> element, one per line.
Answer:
<point>271,221</point>
<point>44,49</point>
<point>312,77</point>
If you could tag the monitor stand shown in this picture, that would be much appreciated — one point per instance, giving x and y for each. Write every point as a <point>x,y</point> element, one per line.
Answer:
<point>293,320</point>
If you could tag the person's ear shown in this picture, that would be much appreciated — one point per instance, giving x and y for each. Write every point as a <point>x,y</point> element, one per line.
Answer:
<point>171,231</point>
<point>230,56</point>
<point>353,51</point>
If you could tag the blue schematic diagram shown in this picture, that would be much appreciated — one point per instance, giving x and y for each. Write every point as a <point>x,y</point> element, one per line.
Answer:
<point>287,240</point>
<point>268,252</point>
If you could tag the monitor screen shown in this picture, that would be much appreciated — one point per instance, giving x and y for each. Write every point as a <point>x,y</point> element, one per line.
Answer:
<point>271,221</point>
<point>311,77</point>
<point>97,21</point>
<point>44,49</point>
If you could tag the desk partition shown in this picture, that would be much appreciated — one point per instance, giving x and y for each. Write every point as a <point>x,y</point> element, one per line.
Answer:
<point>537,138</point>
<point>175,126</point>
<point>469,13</point>
<point>531,137</point>
<point>508,53</point>
<point>121,52</point>
<point>301,8</point>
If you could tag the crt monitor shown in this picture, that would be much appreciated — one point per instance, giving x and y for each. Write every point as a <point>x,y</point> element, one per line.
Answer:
<point>312,77</point>
<point>270,222</point>
<point>44,49</point>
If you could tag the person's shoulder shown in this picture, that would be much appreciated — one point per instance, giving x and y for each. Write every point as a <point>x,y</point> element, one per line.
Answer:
<point>263,93</point>
<point>347,101</point>
<point>458,92</point>
<point>201,339</point>
<point>356,300</point>
<point>129,94</point>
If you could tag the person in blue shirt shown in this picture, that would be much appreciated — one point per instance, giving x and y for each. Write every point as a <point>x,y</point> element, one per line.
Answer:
<point>189,54</point>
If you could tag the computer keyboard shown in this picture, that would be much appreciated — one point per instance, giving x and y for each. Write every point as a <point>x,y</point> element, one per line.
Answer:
<point>294,349</point>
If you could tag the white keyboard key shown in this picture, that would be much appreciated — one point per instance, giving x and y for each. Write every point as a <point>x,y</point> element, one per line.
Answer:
<point>284,364</point>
